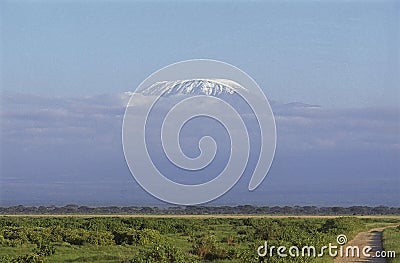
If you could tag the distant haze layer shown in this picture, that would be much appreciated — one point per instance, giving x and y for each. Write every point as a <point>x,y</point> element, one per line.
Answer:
<point>68,150</point>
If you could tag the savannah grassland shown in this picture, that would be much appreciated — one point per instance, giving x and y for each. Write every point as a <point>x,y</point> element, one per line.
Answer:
<point>176,238</point>
<point>391,242</point>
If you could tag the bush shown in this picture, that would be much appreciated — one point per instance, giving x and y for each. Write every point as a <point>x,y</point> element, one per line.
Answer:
<point>29,258</point>
<point>148,236</point>
<point>162,252</point>
<point>75,236</point>
<point>100,238</point>
<point>342,225</point>
<point>38,235</point>
<point>56,234</point>
<point>267,230</point>
<point>247,255</point>
<point>206,247</point>
<point>139,237</point>
<point>15,235</point>
<point>124,237</point>
<point>45,250</point>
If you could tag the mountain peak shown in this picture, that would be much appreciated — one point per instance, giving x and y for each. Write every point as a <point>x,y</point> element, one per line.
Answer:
<point>209,87</point>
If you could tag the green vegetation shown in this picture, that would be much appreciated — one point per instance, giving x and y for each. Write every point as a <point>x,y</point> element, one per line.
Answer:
<point>391,242</point>
<point>146,239</point>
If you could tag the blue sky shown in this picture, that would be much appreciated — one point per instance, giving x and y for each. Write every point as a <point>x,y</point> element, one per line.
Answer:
<point>65,66</point>
<point>333,53</point>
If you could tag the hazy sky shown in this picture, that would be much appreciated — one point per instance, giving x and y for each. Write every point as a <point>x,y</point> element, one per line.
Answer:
<point>60,151</point>
<point>65,64</point>
<point>331,53</point>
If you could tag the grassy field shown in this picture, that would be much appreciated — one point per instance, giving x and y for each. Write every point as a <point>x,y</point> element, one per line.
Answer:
<point>391,242</point>
<point>174,238</point>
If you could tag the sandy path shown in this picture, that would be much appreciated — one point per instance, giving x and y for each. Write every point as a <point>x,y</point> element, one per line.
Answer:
<point>372,238</point>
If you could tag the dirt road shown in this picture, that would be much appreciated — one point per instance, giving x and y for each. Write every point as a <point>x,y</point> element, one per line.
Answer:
<point>372,238</point>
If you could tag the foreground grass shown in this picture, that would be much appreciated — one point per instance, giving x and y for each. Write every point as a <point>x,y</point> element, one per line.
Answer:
<point>73,253</point>
<point>391,242</point>
<point>183,239</point>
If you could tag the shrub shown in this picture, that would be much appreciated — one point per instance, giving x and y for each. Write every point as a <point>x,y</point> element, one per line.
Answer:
<point>100,238</point>
<point>29,258</point>
<point>139,237</point>
<point>45,250</point>
<point>206,247</point>
<point>75,236</point>
<point>124,237</point>
<point>56,234</point>
<point>148,236</point>
<point>167,253</point>
<point>15,235</point>
<point>342,225</point>
<point>38,235</point>
<point>162,252</point>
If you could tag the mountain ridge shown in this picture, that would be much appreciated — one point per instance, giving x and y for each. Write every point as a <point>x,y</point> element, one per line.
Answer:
<point>209,87</point>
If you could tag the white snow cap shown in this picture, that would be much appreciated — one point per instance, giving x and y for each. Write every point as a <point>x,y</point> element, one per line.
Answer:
<point>193,86</point>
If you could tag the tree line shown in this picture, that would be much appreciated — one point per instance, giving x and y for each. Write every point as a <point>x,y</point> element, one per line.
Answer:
<point>201,210</point>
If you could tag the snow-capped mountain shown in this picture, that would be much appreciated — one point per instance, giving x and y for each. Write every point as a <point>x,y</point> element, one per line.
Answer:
<point>210,87</point>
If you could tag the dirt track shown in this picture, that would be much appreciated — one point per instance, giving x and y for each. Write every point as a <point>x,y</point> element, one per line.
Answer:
<point>372,238</point>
